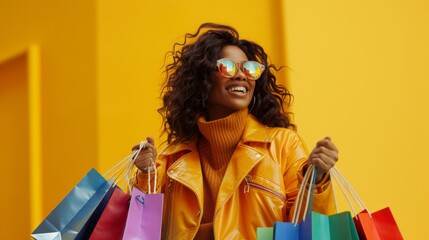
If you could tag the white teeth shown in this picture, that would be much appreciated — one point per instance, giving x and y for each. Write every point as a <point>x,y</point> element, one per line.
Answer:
<point>238,89</point>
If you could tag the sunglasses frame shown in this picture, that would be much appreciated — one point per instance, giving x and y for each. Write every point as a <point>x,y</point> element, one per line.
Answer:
<point>239,66</point>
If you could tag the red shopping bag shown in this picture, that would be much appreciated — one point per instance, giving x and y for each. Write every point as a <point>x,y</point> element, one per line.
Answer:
<point>386,225</point>
<point>111,224</point>
<point>365,226</point>
<point>380,225</point>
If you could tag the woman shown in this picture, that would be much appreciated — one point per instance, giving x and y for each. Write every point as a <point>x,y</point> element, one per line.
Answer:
<point>233,161</point>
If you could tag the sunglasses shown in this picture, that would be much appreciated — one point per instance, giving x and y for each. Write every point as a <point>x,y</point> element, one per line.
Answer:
<point>228,68</point>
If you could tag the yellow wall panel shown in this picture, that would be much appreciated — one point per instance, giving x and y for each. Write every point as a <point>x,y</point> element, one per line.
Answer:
<point>67,114</point>
<point>359,74</point>
<point>14,142</point>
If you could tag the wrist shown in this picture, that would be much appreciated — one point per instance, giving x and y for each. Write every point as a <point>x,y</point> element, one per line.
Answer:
<point>319,177</point>
<point>149,168</point>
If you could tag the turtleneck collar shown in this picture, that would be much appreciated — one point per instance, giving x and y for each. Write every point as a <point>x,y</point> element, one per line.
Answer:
<point>223,135</point>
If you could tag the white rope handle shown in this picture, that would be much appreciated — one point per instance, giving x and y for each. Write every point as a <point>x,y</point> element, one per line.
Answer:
<point>347,190</point>
<point>345,187</point>
<point>307,180</point>
<point>335,177</point>
<point>310,192</point>
<point>335,197</point>
<point>124,168</point>
<point>298,200</point>
<point>349,187</point>
<point>119,167</point>
<point>155,179</point>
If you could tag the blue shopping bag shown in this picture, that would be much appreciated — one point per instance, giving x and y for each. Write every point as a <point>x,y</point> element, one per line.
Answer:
<point>73,212</point>
<point>90,224</point>
<point>318,226</point>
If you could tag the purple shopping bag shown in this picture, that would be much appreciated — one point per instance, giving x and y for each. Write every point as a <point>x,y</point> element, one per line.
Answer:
<point>144,220</point>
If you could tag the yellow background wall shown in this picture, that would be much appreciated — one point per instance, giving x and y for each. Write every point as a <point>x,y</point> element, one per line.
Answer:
<point>65,34</point>
<point>356,70</point>
<point>359,73</point>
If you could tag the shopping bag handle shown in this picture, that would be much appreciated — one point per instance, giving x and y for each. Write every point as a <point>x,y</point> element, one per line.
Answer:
<point>124,168</point>
<point>347,190</point>
<point>308,180</point>
<point>155,178</point>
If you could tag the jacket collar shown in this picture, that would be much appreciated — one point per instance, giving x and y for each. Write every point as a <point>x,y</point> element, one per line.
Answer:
<point>254,131</point>
<point>187,170</point>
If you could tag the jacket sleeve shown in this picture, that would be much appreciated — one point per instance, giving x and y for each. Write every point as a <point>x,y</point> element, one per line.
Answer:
<point>294,168</point>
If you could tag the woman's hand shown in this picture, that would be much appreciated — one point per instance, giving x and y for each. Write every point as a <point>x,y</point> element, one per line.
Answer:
<point>324,156</point>
<point>147,155</point>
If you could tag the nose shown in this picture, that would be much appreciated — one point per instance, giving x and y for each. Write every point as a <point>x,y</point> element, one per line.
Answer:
<point>240,75</point>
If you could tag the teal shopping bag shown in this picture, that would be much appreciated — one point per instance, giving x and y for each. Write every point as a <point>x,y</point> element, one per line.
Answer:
<point>264,233</point>
<point>73,212</point>
<point>318,226</point>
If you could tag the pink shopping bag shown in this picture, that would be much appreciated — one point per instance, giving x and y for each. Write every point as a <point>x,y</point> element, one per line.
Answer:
<point>144,219</point>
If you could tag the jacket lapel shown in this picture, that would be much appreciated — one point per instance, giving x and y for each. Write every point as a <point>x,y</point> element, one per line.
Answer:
<point>187,169</point>
<point>243,160</point>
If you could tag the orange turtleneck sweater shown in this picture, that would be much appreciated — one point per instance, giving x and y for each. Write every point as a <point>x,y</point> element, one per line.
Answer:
<point>220,137</point>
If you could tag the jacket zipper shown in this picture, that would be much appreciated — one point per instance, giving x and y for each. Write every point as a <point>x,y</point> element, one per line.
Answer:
<point>249,184</point>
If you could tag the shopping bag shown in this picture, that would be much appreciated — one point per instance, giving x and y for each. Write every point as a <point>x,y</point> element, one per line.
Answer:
<point>76,215</point>
<point>71,214</point>
<point>144,220</point>
<point>386,225</point>
<point>89,226</point>
<point>264,233</point>
<point>111,224</point>
<point>366,226</point>
<point>379,225</point>
<point>315,226</point>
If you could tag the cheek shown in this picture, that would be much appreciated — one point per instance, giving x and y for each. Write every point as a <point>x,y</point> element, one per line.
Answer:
<point>252,86</point>
<point>219,82</point>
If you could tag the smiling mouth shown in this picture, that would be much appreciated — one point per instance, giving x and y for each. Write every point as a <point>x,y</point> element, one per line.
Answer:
<point>239,89</point>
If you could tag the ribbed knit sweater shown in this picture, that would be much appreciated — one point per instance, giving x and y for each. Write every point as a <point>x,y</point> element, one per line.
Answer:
<point>215,149</point>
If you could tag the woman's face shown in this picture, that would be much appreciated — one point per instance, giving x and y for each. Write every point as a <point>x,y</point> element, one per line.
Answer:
<point>229,95</point>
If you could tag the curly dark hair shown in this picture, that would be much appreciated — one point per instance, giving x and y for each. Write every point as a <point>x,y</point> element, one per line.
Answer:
<point>190,75</point>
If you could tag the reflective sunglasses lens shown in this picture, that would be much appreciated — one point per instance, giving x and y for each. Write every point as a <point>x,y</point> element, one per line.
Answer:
<point>227,67</point>
<point>252,70</point>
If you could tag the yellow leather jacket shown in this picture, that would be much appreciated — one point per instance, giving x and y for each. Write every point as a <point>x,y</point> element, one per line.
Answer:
<point>258,189</point>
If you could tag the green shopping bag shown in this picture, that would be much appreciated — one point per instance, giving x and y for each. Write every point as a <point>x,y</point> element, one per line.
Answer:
<point>264,233</point>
